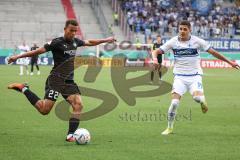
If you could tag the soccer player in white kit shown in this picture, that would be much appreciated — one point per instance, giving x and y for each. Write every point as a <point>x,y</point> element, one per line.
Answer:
<point>24,61</point>
<point>187,70</point>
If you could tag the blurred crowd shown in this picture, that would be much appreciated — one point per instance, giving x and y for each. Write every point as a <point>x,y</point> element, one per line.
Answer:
<point>162,17</point>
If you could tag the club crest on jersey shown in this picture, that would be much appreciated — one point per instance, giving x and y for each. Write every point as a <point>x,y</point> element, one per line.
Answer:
<point>74,44</point>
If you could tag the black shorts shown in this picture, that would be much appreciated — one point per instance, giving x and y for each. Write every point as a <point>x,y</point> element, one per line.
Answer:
<point>159,58</point>
<point>34,61</point>
<point>55,85</point>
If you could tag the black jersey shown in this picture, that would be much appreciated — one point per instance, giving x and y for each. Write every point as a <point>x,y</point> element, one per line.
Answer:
<point>156,45</point>
<point>159,56</point>
<point>35,57</point>
<point>64,52</point>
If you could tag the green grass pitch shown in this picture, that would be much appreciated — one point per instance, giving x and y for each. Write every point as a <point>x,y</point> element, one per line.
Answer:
<point>25,134</point>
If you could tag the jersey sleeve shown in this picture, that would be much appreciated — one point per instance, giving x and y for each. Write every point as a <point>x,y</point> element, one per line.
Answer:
<point>80,42</point>
<point>204,45</point>
<point>167,46</point>
<point>49,46</point>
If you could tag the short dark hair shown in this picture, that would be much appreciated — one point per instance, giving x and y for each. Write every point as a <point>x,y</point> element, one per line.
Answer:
<point>158,36</point>
<point>72,22</point>
<point>186,23</point>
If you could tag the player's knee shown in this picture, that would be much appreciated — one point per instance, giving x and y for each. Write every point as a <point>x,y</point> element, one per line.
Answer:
<point>198,99</point>
<point>45,112</point>
<point>43,107</point>
<point>77,105</point>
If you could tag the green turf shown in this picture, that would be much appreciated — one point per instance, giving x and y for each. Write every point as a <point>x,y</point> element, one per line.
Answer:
<point>25,134</point>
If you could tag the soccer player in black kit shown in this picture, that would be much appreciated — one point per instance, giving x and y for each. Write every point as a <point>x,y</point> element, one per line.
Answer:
<point>60,79</point>
<point>156,45</point>
<point>34,60</point>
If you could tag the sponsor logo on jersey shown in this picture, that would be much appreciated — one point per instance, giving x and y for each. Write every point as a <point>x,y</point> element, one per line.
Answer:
<point>186,52</point>
<point>70,52</point>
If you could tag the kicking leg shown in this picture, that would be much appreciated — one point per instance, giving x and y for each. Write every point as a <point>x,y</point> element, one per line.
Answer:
<point>199,97</point>
<point>196,90</point>
<point>43,106</point>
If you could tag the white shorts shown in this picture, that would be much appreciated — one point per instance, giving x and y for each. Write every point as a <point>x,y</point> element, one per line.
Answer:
<point>24,61</point>
<point>182,84</point>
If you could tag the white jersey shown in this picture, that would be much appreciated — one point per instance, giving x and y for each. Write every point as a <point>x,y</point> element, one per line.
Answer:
<point>186,55</point>
<point>23,48</point>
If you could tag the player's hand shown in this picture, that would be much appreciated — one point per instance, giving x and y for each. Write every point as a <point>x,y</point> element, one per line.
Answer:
<point>12,59</point>
<point>110,40</point>
<point>235,65</point>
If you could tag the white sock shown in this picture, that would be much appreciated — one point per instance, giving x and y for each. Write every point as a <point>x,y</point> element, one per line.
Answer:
<point>172,112</point>
<point>21,69</point>
<point>199,99</point>
<point>24,89</point>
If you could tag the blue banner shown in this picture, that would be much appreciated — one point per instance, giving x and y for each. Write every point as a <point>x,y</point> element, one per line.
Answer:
<point>202,6</point>
<point>41,61</point>
<point>226,45</point>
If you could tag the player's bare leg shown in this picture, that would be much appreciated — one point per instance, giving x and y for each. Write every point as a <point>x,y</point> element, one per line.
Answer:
<point>172,113</point>
<point>43,106</point>
<point>155,69</point>
<point>76,103</point>
<point>159,71</point>
<point>200,98</point>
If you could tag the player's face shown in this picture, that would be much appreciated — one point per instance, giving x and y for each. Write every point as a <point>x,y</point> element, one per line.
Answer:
<point>184,32</point>
<point>159,39</point>
<point>70,32</point>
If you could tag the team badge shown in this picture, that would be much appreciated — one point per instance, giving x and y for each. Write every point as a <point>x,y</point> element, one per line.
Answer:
<point>74,44</point>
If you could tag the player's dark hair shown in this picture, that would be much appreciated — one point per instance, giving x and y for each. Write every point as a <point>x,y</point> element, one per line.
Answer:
<point>158,36</point>
<point>72,22</point>
<point>186,23</point>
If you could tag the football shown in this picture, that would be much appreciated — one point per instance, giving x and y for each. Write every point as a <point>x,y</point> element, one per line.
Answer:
<point>82,136</point>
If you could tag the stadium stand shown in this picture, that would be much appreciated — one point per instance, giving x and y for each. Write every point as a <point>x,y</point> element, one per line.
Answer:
<point>144,17</point>
<point>70,13</point>
<point>30,20</point>
<point>87,18</point>
<point>108,13</point>
<point>147,16</point>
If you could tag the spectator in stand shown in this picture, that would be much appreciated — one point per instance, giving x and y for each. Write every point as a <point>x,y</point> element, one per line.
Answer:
<point>115,17</point>
<point>162,17</point>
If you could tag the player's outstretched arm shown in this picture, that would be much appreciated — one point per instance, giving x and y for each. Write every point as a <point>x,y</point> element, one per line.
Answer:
<point>27,54</point>
<point>94,42</point>
<point>221,57</point>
